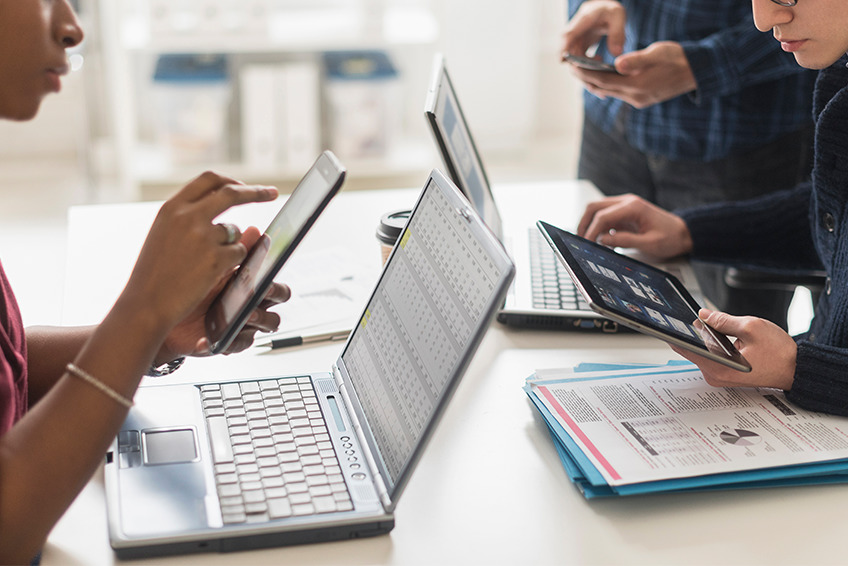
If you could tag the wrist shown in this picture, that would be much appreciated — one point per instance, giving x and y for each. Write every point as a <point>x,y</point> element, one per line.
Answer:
<point>165,368</point>
<point>684,237</point>
<point>140,321</point>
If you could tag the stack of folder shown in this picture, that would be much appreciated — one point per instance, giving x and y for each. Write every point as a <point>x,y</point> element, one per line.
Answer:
<point>636,429</point>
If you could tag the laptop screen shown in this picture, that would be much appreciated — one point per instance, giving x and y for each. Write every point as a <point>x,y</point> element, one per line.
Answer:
<point>459,153</point>
<point>431,306</point>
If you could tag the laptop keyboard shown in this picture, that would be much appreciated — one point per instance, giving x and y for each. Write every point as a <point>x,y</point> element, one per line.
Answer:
<point>553,288</point>
<point>273,455</point>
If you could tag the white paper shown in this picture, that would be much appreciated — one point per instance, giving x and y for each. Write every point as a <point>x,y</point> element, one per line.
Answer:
<point>328,291</point>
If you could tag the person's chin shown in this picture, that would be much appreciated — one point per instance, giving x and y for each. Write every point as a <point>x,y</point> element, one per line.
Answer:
<point>814,61</point>
<point>21,113</point>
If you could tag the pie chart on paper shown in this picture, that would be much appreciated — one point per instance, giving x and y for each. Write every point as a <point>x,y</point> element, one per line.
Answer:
<point>740,437</point>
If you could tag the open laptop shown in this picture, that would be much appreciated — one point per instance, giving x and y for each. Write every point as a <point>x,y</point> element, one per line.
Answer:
<point>542,295</point>
<point>252,463</point>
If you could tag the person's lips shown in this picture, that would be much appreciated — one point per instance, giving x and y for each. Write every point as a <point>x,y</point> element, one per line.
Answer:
<point>54,77</point>
<point>791,45</point>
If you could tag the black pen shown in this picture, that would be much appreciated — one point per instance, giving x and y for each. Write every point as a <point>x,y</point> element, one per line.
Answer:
<point>278,343</point>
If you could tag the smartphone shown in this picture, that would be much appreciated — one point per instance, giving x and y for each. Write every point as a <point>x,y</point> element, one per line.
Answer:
<point>589,63</point>
<point>243,293</point>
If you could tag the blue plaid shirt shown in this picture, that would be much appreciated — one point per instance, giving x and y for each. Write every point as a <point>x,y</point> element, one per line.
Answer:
<point>749,91</point>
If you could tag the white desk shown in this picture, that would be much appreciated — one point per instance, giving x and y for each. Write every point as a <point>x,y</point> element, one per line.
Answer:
<point>490,488</point>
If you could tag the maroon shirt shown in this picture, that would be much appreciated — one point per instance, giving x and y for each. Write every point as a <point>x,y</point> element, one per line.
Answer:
<point>13,362</point>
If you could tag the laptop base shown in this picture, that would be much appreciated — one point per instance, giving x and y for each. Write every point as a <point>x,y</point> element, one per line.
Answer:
<point>558,322</point>
<point>256,541</point>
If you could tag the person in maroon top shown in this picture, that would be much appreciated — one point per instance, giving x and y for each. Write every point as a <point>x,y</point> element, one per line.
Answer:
<point>64,392</point>
<point>13,366</point>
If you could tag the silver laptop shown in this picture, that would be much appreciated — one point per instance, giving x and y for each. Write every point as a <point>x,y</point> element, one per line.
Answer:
<point>252,463</point>
<point>542,295</point>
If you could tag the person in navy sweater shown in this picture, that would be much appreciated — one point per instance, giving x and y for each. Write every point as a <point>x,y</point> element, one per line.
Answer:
<point>704,108</point>
<point>802,228</point>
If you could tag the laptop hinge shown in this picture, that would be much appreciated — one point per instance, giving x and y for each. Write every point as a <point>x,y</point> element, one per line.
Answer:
<point>360,436</point>
<point>337,376</point>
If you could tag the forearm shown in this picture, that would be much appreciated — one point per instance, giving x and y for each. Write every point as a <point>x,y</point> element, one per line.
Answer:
<point>49,349</point>
<point>72,426</point>
<point>771,231</point>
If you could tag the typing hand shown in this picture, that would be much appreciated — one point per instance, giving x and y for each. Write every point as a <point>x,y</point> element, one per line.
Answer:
<point>628,221</point>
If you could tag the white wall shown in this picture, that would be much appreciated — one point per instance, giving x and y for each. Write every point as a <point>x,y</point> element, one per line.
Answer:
<point>559,93</point>
<point>490,48</point>
<point>522,104</point>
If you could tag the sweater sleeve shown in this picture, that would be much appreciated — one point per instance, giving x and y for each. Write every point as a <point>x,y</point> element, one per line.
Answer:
<point>772,231</point>
<point>821,378</point>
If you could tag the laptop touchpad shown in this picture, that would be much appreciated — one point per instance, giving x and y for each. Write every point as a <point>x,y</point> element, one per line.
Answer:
<point>169,446</point>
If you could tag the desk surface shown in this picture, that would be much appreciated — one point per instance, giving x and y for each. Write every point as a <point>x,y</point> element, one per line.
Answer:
<point>489,488</point>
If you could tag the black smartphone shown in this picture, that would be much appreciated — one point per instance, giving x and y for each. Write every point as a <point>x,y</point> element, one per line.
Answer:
<point>230,309</point>
<point>589,63</point>
<point>639,296</point>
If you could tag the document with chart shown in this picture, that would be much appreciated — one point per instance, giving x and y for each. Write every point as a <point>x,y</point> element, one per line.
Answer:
<point>635,429</point>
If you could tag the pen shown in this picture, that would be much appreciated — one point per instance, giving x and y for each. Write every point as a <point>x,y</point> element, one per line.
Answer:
<point>278,343</point>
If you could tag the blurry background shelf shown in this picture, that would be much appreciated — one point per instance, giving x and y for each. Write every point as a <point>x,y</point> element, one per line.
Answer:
<point>142,154</point>
<point>517,97</point>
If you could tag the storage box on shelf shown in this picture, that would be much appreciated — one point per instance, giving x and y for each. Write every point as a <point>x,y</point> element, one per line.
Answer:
<point>274,104</point>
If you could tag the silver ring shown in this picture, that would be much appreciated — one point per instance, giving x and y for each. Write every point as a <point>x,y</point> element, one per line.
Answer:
<point>233,233</point>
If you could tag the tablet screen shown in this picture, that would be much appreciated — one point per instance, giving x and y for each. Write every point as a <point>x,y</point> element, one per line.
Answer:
<point>639,293</point>
<point>633,289</point>
<point>231,308</point>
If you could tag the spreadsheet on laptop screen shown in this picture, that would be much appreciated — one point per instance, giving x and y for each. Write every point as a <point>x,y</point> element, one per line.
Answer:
<point>439,281</point>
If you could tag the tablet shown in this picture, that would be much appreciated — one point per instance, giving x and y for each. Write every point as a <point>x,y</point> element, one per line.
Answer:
<point>640,296</point>
<point>230,309</point>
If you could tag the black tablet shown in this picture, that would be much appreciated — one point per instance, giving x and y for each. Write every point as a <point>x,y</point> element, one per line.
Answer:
<point>640,296</point>
<point>228,313</point>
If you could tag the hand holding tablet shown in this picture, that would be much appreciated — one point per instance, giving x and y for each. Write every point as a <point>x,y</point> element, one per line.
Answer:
<point>640,296</point>
<point>247,288</point>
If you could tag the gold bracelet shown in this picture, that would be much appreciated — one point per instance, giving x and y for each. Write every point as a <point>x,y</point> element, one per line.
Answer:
<point>87,377</point>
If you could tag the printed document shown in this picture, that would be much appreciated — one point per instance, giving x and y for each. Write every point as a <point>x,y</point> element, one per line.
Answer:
<point>645,424</point>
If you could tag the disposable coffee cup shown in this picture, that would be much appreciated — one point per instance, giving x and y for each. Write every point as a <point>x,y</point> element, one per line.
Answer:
<point>390,229</point>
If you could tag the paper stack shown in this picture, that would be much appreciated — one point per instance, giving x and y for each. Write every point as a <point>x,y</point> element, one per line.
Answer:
<point>637,429</point>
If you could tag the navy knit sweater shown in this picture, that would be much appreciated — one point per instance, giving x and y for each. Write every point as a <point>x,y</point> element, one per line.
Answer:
<point>805,228</point>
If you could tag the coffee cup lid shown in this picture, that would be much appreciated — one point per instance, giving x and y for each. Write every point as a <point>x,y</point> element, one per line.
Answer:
<point>391,225</point>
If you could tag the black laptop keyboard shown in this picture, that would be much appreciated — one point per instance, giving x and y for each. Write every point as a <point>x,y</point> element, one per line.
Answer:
<point>553,288</point>
<point>273,455</point>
